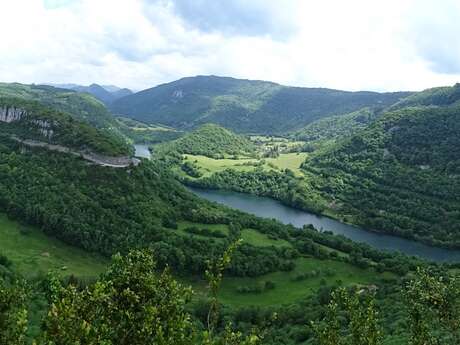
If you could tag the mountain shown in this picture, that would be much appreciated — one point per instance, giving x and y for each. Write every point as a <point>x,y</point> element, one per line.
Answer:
<point>106,94</point>
<point>212,141</point>
<point>246,106</point>
<point>81,106</point>
<point>401,174</point>
<point>30,120</point>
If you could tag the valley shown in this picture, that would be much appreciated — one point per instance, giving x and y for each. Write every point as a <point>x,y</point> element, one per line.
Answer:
<point>293,199</point>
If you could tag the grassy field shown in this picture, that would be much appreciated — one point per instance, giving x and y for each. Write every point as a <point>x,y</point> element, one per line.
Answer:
<point>290,161</point>
<point>32,252</point>
<point>287,289</point>
<point>208,166</point>
<point>258,239</point>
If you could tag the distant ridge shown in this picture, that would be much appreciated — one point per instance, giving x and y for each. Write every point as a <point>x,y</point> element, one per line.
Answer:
<point>245,106</point>
<point>105,93</point>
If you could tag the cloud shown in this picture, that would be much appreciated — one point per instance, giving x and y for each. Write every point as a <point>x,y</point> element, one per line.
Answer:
<point>434,34</point>
<point>353,45</point>
<point>240,17</point>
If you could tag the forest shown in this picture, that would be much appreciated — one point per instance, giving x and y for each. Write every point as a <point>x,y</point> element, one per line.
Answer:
<point>185,270</point>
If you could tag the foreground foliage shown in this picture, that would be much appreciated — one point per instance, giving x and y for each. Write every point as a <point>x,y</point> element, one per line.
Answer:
<point>135,303</point>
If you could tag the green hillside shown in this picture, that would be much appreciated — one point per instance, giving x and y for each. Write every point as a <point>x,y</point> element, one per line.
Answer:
<point>243,105</point>
<point>31,120</point>
<point>337,126</point>
<point>81,106</point>
<point>212,141</point>
<point>400,175</point>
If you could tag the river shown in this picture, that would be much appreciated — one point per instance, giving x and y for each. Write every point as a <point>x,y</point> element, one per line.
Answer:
<point>269,208</point>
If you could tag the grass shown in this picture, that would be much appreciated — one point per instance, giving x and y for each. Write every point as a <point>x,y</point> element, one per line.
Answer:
<point>183,225</point>
<point>258,239</point>
<point>249,236</point>
<point>208,166</point>
<point>32,252</point>
<point>288,290</point>
<point>290,161</point>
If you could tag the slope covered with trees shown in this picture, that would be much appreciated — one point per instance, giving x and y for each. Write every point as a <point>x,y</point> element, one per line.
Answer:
<point>400,175</point>
<point>212,141</point>
<point>243,105</point>
<point>29,120</point>
<point>337,126</point>
<point>81,106</point>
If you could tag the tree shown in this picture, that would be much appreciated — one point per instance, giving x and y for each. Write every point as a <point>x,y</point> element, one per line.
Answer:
<point>130,304</point>
<point>13,313</point>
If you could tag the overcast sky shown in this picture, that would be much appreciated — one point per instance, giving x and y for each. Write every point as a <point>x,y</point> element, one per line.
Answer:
<point>353,45</point>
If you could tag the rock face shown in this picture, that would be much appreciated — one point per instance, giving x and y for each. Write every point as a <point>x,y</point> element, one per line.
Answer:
<point>44,127</point>
<point>10,114</point>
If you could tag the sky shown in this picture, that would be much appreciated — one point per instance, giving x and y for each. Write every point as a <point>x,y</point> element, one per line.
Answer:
<point>380,45</point>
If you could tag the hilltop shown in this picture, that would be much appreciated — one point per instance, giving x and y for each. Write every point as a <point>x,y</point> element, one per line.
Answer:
<point>246,106</point>
<point>212,141</point>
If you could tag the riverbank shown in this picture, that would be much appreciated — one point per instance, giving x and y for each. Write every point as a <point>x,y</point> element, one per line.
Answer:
<point>269,208</point>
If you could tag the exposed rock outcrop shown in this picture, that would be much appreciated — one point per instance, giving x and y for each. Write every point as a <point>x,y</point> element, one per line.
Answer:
<point>9,114</point>
<point>44,127</point>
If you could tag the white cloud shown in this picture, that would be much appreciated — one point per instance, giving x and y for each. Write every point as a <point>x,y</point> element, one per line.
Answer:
<point>356,44</point>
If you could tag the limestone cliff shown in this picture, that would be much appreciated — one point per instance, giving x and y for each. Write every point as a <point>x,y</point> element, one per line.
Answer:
<point>10,114</point>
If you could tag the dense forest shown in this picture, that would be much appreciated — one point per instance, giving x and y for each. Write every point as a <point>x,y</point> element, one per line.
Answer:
<point>400,175</point>
<point>243,105</point>
<point>212,141</point>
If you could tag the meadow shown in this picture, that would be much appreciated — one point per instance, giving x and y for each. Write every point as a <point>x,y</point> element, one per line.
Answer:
<point>309,275</point>
<point>34,253</point>
<point>207,166</point>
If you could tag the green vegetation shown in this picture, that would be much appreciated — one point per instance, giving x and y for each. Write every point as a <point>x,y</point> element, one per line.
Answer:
<point>243,105</point>
<point>81,106</point>
<point>337,126</point>
<point>32,253</point>
<point>400,175</point>
<point>211,141</point>
<point>135,303</point>
<point>47,125</point>
<point>397,173</point>
<point>148,134</point>
<point>304,281</point>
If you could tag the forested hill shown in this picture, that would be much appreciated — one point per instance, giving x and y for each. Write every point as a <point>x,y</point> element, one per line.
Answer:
<point>243,105</point>
<point>81,106</point>
<point>212,141</point>
<point>30,120</point>
<point>402,173</point>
